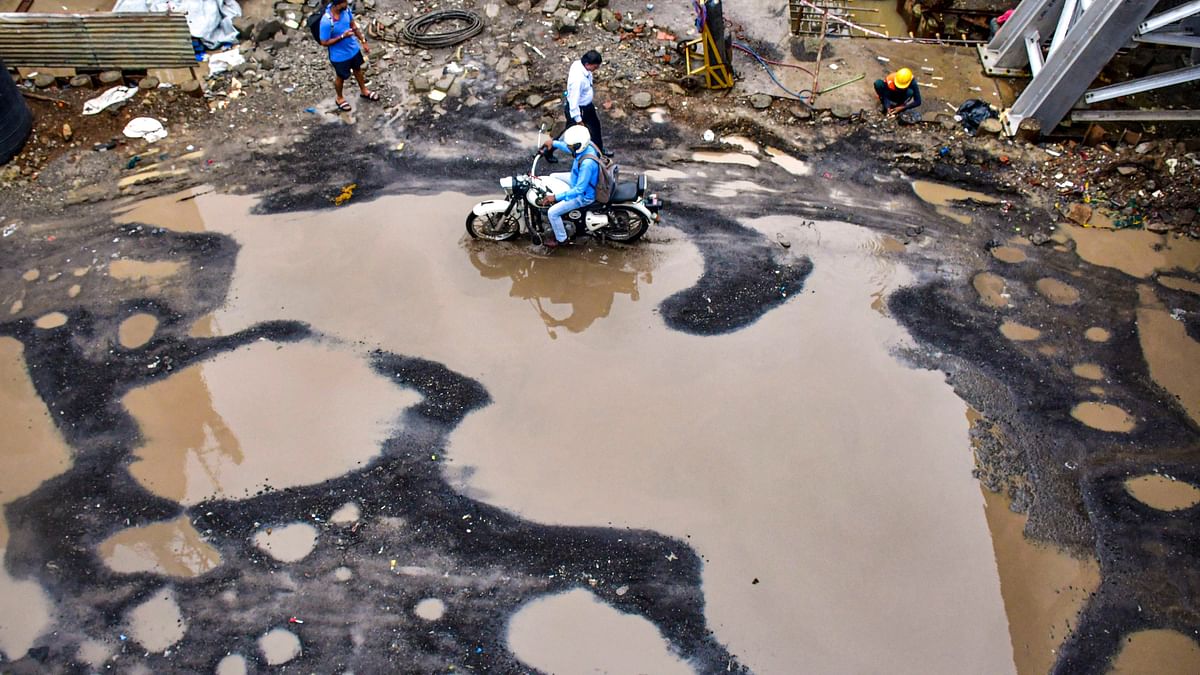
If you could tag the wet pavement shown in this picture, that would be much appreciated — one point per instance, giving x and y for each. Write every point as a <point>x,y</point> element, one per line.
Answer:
<point>753,442</point>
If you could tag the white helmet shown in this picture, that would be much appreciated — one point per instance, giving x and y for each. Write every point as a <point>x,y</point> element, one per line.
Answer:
<point>577,137</point>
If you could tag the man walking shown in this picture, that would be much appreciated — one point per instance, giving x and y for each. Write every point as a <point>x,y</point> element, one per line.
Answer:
<point>579,108</point>
<point>340,33</point>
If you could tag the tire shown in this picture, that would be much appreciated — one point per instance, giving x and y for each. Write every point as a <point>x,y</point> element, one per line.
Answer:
<point>494,226</point>
<point>16,120</point>
<point>626,224</point>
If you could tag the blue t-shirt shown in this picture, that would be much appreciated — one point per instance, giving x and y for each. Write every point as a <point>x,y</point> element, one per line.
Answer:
<point>342,50</point>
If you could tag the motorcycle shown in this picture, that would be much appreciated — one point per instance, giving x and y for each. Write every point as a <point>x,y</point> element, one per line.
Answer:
<point>625,217</point>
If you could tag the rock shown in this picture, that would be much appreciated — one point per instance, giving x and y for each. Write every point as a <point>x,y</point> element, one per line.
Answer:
<point>96,192</point>
<point>550,7</point>
<point>455,90</point>
<point>444,83</point>
<point>267,29</point>
<point>1126,170</point>
<point>111,77</point>
<point>244,25</point>
<point>534,100</point>
<point>641,99</point>
<point>566,22</point>
<point>608,21</point>
<point>1144,148</point>
<point>842,111</point>
<point>81,82</point>
<point>420,84</point>
<point>512,3</point>
<point>503,65</point>
<point>66,132</point>
<point>991,126</point>
<point>575,5</point>
<point>1079,213</point>
<point>761,101</point>
<point>491,10</point>
<point>42,81</point>
<point>1039,238</point>
<point>1158,227</point>
<point>676,89</point>
<point>1029,130</point>
<point>589,17</point>
<point>193,88</point>
<point>148,83</point>
<point>264,59</point>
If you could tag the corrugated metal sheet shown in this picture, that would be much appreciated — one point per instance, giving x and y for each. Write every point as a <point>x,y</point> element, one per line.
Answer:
<point>102,40</point>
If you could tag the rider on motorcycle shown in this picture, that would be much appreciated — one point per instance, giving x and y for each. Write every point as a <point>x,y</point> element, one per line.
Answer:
<point>575,140</point>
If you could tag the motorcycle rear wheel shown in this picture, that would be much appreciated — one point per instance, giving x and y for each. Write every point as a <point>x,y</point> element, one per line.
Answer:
<point>493,226</point>
<point>626,224</point>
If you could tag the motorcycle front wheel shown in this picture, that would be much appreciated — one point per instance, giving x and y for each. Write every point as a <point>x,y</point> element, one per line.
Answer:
<point>494,226</point>
<point>626,224</point>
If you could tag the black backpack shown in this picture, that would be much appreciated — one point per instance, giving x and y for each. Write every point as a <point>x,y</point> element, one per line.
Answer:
<point>314,22</point>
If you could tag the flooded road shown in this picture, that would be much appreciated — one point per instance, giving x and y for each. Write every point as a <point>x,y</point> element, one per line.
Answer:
<point>826,485</point>
<point>574,461</point>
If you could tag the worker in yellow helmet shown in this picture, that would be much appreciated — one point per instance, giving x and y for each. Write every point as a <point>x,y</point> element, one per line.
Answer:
<point>898,92</point>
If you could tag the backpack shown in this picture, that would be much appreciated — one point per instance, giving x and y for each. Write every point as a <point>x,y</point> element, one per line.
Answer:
<point>314,22</point>
<point>606,177</point>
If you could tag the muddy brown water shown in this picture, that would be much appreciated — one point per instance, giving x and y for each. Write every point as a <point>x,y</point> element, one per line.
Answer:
<point>944,197</point>
<point>1137,253</point>
<point>1172,354</point>
<point>32,451</point>
<point>737,444</point>
<point>173,548</point>
<point>1019,332</point>
<point>1163,493</point>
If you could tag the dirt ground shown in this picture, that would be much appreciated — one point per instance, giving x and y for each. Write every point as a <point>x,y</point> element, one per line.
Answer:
<point>871,395</point>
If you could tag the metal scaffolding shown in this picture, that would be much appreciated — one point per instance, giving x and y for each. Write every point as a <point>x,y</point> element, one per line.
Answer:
<point>1064,44</point>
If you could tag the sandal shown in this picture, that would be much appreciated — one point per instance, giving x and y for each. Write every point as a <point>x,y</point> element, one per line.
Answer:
<point>344,106</point>
<point>371,95</point>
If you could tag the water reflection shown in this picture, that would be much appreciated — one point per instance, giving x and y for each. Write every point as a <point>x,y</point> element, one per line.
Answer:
<point>571,289</point>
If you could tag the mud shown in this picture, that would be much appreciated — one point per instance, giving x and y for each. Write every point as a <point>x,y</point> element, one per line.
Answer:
<point>137,330</point>
<point>1089,371</point>
<point>992,289</point>
<point>1009,254</point>
<point>1157,651</point>
<point>1103,416</point>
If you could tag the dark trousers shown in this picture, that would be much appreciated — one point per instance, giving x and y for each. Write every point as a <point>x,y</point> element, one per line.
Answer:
<point>590,120</point>
<point>889,98</point>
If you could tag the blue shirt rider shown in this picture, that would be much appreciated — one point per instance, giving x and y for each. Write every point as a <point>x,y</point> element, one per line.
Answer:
<point>581,182</point>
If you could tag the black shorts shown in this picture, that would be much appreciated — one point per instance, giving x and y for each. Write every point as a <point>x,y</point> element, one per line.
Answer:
<point>343,68</point>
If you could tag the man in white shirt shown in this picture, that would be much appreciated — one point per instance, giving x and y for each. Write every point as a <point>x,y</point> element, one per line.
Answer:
<point>579,107</point>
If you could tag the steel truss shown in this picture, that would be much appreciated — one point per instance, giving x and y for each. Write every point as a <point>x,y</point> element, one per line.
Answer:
<point>1065,44</point>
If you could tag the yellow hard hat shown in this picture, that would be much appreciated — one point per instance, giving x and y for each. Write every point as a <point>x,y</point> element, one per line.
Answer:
<point>903,78</point>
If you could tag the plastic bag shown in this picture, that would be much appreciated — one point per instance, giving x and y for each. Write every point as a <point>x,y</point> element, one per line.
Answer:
<point>972,113</point>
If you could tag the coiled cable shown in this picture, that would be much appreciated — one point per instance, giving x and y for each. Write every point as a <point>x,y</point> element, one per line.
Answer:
<point>417,32</point>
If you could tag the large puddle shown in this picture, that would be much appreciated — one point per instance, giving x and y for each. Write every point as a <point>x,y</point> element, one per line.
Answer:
<point>826,485</point>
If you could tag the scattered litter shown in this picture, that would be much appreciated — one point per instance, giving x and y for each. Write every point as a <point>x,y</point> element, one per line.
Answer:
<point>535,49</point>
<point>782,240</point>
<point>346,194</point>
<point>1052,153</point>
<point>927,69</point>
<point>884,59</point>
<point>9,229</point>
<point>1178,314</point>
<point>133,161</point>
<point>310,110</point>
<point>145,127</point>
<point>295,620</point>
<point>833,66</point>
<point>220,62</point>
<point>109,98</point>
<point>709,136</point>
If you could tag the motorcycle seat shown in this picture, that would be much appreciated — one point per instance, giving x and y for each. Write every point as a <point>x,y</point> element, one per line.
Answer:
<point>624,192</point>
